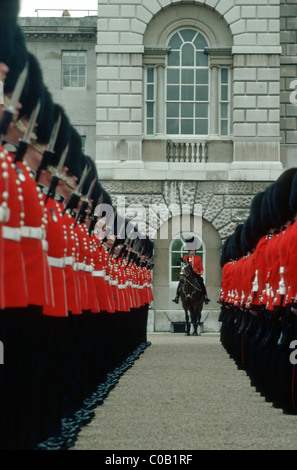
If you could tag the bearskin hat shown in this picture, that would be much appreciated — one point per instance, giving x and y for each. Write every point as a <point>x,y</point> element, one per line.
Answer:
<point>281,196</point>
<point>293,196</point>
<point>18,59</point>
<point>256,226</point>
<point>9,10</point>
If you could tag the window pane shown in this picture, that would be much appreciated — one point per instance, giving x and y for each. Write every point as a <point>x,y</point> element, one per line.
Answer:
<point>187,93</point>
<point>188,55</point>
<point>188,34</point>
<point>201,110</point>
<point>200,42</point>
<point>188,76</point>
<point>150,92</point>
<point>201,126</point>
<point>172,110</point>
<point>175,274</point>
<point>224,110</point>
<point>81,82</point>
<point>202,76</point>
<point>176,246</point>
<point>73,82</point>
<point>173,58</point>
<point>187,126</point>
<point>202,93</point>
<point>224,92</point>
<point>187,110</point>
<point>82,58</point>
<point>201,59</point>
<point>81,70</point>
<point>66,81</point>
<point>175,259</point>
<point>150,109</point>
<point>172,126</point>
<point>66,70</point>
<point>150,75</point>
<point>150,126</point>
<point>224,128</point>
<point>173,76</point>
<point>65,58</point>
<point>74,58</point>
<point>175,42</point>
<point>173,93</point>
<point>224,75</point>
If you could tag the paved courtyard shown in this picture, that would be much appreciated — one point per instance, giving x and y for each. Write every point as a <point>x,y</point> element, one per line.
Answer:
<point>185,393</point>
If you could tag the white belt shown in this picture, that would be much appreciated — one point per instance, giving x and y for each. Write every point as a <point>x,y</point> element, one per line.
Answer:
<point>89,268</point>
<point>11,233</point>
<point>113,283</point>
<point>56,262</point>
<point>107,278</point>
<point>69,260</point>
<point>80,266</point>
<point>37,233</point>
<point>98,273</point>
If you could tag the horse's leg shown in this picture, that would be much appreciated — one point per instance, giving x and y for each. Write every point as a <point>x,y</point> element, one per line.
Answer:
<point>194,320</point>
<point>187,332</point>
<point>199,310</point>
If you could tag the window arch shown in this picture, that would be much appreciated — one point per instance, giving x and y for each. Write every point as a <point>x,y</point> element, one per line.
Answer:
<point>178,250</point>
<point>187,84</point>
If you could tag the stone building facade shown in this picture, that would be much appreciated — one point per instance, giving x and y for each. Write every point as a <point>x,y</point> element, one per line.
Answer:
<point>211,138</point>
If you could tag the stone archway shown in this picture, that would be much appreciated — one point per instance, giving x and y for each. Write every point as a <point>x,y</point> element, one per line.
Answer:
<point>164,311</point>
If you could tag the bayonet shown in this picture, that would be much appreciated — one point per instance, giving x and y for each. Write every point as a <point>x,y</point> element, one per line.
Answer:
<point>56,177</point>
<point>11,109</point>
<point>49,153</point>
<point>54,134</point>
<point>75,196</point>
<point>24,143</point>
<point>85,202</point>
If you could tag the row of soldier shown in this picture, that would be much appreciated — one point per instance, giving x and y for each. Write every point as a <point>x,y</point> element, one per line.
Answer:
<point>75,277</point>
<point>259,292</point>
<point>49,192</point>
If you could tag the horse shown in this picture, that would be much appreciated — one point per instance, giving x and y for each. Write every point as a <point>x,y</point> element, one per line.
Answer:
<point>192,298</point>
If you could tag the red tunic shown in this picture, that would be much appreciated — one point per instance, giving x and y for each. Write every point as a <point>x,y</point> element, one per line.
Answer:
<point>13,268</point>
<point>72,249</point>
<point>99,274</point>
<point>33,235</point>
<point>196,263</point>
<point>57,250</point>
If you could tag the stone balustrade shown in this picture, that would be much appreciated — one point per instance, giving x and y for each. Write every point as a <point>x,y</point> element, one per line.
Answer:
<point>187,151</point>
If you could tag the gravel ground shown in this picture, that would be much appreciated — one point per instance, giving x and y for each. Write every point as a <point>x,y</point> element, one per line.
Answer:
<point>185,393</point>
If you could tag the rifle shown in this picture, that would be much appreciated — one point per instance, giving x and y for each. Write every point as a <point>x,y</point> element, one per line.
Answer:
<point>11,110</point>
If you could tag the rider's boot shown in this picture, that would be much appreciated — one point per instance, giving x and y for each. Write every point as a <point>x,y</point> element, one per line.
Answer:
<point>206,299</point>
<point>176,299</point>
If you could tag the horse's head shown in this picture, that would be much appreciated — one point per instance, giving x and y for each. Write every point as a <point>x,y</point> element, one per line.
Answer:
<point>185,269</point>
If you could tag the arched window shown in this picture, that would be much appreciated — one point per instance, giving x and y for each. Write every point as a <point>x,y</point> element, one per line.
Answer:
<point>187,87</point>
<point>187,84</point>
<point>178,250</point>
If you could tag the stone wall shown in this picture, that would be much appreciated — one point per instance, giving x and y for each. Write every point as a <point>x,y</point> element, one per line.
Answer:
<point>225,204</point>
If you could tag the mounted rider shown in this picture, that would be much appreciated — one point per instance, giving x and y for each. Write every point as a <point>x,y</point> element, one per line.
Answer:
<point>197,266</point>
